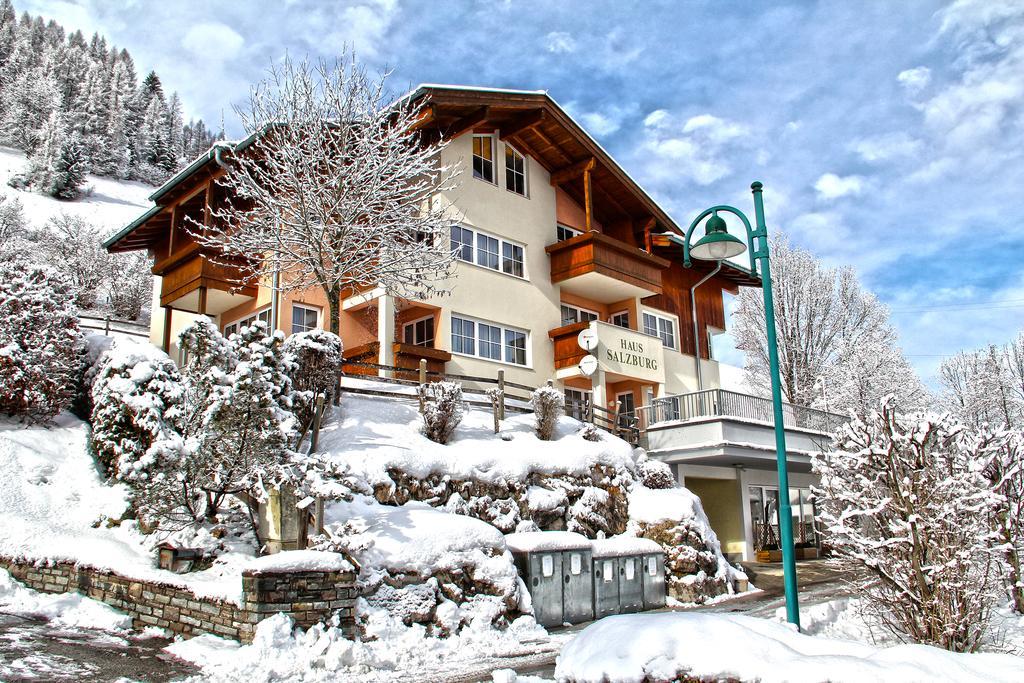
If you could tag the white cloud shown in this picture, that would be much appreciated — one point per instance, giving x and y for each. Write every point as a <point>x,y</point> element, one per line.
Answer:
<point>886,147</point>
<point>656,118</point>
<point>832,186</point>
<point>915,80</point>
<point>560,42</point>
<point>213,41</point>
<point>603,122</point>
<point>698,148</point>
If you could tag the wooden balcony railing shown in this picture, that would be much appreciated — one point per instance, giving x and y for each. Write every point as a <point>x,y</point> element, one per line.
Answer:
<point>596,253</point>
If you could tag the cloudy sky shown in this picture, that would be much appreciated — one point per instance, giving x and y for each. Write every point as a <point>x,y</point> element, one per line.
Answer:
<point>889,136</point>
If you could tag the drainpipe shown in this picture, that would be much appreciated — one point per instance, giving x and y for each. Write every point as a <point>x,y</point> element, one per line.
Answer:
<point>693,309</point>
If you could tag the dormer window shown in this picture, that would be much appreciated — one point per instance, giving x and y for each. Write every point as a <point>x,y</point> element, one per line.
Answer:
<point>483,157</point>
<point>515,171</point>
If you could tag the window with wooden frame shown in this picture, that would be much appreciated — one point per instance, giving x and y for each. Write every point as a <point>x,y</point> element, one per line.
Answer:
<point>483,157</point>
<point>419,332</point>
<point>575,314</point>
<point>662,327</point>
<point>515,171</point>
<point>262,315</point>
<point>304,318</point>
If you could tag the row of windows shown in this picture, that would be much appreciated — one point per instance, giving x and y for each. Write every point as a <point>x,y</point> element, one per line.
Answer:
<point>483,164</point>
<point>489,252</point>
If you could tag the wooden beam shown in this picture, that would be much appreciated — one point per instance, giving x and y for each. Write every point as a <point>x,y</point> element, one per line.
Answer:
<point>574,171</point>
<point>547,141</point>
<point>426,116</point>
<point>202,301</point>
<point>523,123</point>
<point>647,228</point>
<point>588,195</point>
<point>167,329</point>
<point>468,122</point>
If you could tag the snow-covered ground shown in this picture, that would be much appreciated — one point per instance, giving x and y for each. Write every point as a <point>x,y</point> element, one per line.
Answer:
<point>635,648</point>
<point>110,205</point>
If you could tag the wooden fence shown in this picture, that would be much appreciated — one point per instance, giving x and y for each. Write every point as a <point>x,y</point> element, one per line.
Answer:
<point>107,325</point>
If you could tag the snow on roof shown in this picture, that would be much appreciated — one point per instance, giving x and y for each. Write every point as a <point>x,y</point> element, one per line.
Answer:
<point>301,561</point>
<point>618,546</point>
<point>661,646</point>
<point>534,541</point>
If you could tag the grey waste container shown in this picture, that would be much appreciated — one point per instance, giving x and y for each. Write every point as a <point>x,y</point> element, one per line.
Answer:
<point>606,586</point>
<point>545,560</point>
<point>577,585</point>
<point>654,579</point>
<point>625,556</point>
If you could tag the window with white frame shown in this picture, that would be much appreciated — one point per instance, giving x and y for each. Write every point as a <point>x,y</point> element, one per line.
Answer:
<point>574,314</point>
<point>490,341</point>
<point>419,332</point>
<point>662,327</point>
<point>485,250</point>
<point>577,403</point>
<point>620,319</point>
<point>483,157</point>
<point>515,171</point>
<point>304,318</point>
<point>234,327</point>
<point>564,232</point>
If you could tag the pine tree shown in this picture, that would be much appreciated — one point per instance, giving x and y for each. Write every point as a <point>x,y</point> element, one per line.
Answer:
<point>70,170</point>
<point>175,131</point>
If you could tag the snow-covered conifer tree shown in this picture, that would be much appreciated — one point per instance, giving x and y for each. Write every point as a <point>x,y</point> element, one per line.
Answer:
<point>904,503</point>
<point>208,359</point>
<point>42,353</point>
<point>337,189</point>
<point>317,355</point>
<point>548,405</point>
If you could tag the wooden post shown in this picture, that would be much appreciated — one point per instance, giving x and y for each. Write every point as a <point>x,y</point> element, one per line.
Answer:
<point>167,329</point>
<point>587,198</point>
<point>202,301</point>
<point>501,388</point>
<point>318,409</point>
<point>423,384</point>
<point>106,328</point>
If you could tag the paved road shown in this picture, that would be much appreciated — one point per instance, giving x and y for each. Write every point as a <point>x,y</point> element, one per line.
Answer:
<point>33,650</point>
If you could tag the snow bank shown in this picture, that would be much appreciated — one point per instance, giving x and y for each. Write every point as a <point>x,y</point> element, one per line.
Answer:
<point>64,610</point>
<point>56,507</point>
<point>374,435</point>
<point>533,541</point>
<point>301,561</point>
<point>662,646</point>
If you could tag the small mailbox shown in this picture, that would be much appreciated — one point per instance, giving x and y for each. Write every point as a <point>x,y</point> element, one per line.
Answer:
<point>620,575</point>
<point>556,567</point>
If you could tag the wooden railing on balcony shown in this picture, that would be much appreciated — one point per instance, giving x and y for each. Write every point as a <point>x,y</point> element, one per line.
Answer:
<point>362,360</point>
<point>594,252</point>
<point>567,349</point>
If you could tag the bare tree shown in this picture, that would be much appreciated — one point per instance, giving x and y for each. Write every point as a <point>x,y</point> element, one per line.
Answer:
<point>986,386</point>
<point>338,189</point>
<point>825,323</point>
<point>906,507</point>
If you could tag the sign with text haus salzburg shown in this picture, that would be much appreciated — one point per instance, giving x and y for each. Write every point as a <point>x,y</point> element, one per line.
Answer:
<point>629,353</point>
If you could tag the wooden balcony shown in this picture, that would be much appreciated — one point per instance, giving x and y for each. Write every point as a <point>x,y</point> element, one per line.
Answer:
<point>191,281</point>
<point>407,357</point>
<point>603,269</point>
<point>567,349</point>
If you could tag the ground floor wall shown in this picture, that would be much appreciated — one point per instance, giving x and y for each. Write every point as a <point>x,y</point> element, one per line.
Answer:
<point>308,597</point>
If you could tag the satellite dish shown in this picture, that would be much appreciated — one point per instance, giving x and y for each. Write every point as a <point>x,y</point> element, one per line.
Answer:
<point>587,339</point>
<point>588,365</point>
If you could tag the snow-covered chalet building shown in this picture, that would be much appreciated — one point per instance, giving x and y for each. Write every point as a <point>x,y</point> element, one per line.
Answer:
<point>553,237</point>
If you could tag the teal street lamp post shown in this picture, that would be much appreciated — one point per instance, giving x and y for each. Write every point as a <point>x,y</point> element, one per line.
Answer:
<point>718,245</point>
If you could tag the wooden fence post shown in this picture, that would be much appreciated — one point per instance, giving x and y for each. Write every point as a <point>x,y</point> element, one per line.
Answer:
<point>318,409</point>
<point>423,384</point>
<point>501,388</point>
<point>106,329</point>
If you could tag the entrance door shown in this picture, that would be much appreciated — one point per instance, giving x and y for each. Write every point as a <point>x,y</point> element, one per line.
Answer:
<point>577,404</point>
<point>626,407</point>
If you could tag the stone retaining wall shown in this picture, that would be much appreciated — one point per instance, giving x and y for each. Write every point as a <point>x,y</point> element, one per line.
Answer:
<point>307,596</point>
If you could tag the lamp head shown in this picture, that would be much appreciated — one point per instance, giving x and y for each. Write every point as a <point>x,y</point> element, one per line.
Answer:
<point>717,244</point>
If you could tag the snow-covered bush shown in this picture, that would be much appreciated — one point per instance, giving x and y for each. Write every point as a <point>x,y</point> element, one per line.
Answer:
<point>654,474</point>
<point>72,246</point>
<point>317,355</point>
<point>548,405</point>
<point>130,283</point>
<point>442,411</point>
<point>903,502</point>
<point>42,353</point>
<point>208,358</point>
<point>136,401</point>
<point>1003,455</point>
<point>590,433</point>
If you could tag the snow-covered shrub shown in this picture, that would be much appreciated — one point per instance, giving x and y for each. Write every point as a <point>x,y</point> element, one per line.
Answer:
<point>317,355</point>
<point>42,353</point>
<point>548,405</point>
<point>590,433</point>
<point>442,410</point>
<point>904,502</point>
<point>130,283</point>
<point>136,401</point>
<point>208,358</point>
<point>1003,455</point>
<point>654,474</point>
<point>72,246</point>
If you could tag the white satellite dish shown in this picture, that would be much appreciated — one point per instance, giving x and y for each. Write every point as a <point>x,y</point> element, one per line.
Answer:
<point>587,339</point>
<point>588,365</point>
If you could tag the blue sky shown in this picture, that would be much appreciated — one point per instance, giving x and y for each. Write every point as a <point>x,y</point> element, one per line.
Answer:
<point>889,135</point>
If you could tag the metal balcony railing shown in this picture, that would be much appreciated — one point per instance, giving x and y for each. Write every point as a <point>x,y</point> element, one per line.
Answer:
<point>723,403</point>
